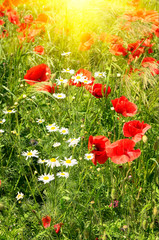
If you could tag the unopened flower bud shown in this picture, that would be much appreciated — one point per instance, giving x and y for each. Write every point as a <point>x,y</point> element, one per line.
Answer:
<point>144,138</point>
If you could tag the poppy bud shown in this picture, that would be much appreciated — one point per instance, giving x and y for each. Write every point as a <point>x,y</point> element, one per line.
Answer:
<point>144,138</point>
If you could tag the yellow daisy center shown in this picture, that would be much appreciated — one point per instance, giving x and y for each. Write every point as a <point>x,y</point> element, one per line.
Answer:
<point>68,161</point>
<point>61,80</point>
<point>29,154</point>
<point>78,77</point>
<point>67,70</point>
<point>73,140</point>
<point>63,131</point>
<point>59,96</point>
<point>40,121</point>
<point>53,128</point>
<point>88,157</point>
<point>46,178</point>
<point>53,160</point>
<point>19,195</point>
<point>62,174</point>
<point>0,121</point>
<point>85,81</point>
<point>9,111</point>
<point>43,160</point>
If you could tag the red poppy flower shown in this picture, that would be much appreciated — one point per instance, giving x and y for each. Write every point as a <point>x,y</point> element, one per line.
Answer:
<point>123,106</point>
<point>40,73</point>
<point>98,90</point>
<point>42,18</point>
<point>122,151</point>
<point>135,129</point>
<point>97,145</point>
<point>1,22</point>
<point>118,49</point>
<point>4,33</point>
<point>46,87</point>
<point>82,78</point>
<point>114,204</point>
<point>86,41</point>
<point>28,19</point>
<point>57,227</point>
<point>7,4</point>
<point>39,50</point>
<point>2,9</point>
<point>13,17</point>
<point>46,221</point>
<point>152,63</point>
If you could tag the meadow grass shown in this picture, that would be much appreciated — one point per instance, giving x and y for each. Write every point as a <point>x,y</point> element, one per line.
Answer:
<point>81,201</point>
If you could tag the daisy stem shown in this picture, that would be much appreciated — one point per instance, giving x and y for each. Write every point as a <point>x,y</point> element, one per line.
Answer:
<point>30,188</point>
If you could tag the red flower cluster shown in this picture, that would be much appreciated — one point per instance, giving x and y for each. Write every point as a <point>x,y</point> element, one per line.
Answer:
<point>123,106</point>
<point>152,64</point>
<point>98,90</point>
<point>46,221</point>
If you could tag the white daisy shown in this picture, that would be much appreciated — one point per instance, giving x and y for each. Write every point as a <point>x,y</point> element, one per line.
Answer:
<point>2,121</point>
<point>61,80</point>
<point>118,75</point>
<point>32,153</point>
<point>9,111</point>
<point>1,131</point>
<point>71,71</point>
<point>89,156</point>
<point>63,174</point>
<point>73,141</point>
<point>59,95</point>
<point>86,81</point>
<point>56,144</point>
<point>100,74</point>
<point>19,196</point>
<point>65,53</point>
<point>41,161</point>
<point>69,162</point>
<point>39,121</point>
<point>46,178</point>
<point>52,127</point>
<point>64,131</point>
<point>53,162</point>
<point>79,78</point>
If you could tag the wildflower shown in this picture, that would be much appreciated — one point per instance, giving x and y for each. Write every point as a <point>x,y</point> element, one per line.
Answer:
<point>86,41</point>
<point>118,75</point>
<point>69,162</point>
<point>61,80</point>
<point>135,129</point>
<point>19,196</point>
<point>56,144</point>
<point>33,142</point>
<point>46,178</point>
<point>39,50</point>
<point>73,141</point>
<point>39,73</point>
<point>81,78</point>
<point>71,71</point>
<point>32,153</point>
<point>53,162</point>
<point>28,19</point>
<point>41,161</point>
<point>123,106</point>
<point>46,221</point>
<point>118,49</point>
<point>63,174</point>
<point>59,95</point>
<point>57,227</point>
<point>1,131</point>
<point>9,111</point>
<point>39,121</point>
<point>98,90</point>
<point>97,145</point>
<point>122,151</point>
<point>89,156</point>
<point>65,53</point>
<point>100,74</point>
<point>13,17</point>
<point>52,127</point>
<point>152,64</point>
<point>64,131</point>
<point>114,204</point>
